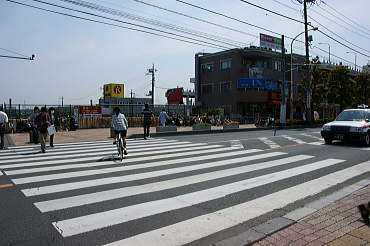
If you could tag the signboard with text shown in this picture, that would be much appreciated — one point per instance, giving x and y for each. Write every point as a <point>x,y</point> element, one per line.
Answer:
<point>268,41</point>
<point>114,90</point>
<point>89,110</point>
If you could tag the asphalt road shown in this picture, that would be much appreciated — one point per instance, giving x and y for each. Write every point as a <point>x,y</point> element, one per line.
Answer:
<point>196,189</point>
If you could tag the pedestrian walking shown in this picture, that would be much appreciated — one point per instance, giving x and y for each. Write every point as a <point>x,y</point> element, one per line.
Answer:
<point>51,129</point>
<point>147,120</point>
<point>43,122</point>
<point>3,120</point>
<point>163,117</point>
<point>34,138</point>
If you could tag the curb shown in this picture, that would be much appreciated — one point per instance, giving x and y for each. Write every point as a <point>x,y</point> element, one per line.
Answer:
<point>259,232</point>
<point>185,133</point>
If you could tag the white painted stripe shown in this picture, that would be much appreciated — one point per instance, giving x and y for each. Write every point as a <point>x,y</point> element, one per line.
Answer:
<point>161,154</point>
<point>311,136</point>
<point>96,154</point>
<point>187,231</point>
<point>100,220</point>
<point>296,140</point>
<point>81,200</point>
<point>208,150</point>
<point>317,143</point>
<point>73,143</point>
<point>269,142</point>
<point>40,190</point>
<point>85,147</point>
<point>25,147</point>
<point>82,151</point>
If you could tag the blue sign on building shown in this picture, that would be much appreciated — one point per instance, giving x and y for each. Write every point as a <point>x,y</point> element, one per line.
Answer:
<point>251,83</point>
<point>261,84</point>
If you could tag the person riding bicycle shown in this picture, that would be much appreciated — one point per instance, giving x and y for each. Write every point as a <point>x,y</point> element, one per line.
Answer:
<point>120,125</point>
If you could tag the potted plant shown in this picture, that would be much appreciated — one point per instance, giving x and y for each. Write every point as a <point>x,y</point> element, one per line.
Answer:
<point>229,124</point>
<point>168,128</point>
<point>202,127</point>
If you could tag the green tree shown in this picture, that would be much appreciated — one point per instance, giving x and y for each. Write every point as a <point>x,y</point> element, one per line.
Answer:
<point>363,88</point>
<point>342,89</point>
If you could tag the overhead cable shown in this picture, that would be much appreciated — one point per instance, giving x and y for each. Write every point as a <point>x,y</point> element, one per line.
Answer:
<point>111,24</point>
<point>153,22</point>
<point>196,18</point>
<point>129,23</point>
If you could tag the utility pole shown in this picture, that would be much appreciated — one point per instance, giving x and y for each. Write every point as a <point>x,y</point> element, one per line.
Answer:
<point>308,91</point>
<point>283,96</point>
<point>62,99</point>
<point>151,71</point>
<point>132,106</point>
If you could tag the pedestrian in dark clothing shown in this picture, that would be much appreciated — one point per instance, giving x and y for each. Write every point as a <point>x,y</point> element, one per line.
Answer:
<point>3,121</point>
<point>52,121</point>
<point>43,122</point>
<point>147,120</point>
<point>34,138</point>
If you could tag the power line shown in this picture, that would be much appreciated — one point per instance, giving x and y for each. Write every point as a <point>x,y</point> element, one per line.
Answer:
<point>111,24</point>
<point>153,22</point>
<point>339,24</point>
<point>323,26</point>
<point>241,21</point>
<point>343,44</point>
<point>228,17</point>
<point>14,52</point>
<point>128,23</point>
<point>196,18</point>
<point>271,11</point>
<point>354,22</point>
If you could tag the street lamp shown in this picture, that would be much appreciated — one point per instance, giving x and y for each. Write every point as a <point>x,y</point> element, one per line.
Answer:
<point>349,52</point>
<point>329,50</point>
<point>291,70</point>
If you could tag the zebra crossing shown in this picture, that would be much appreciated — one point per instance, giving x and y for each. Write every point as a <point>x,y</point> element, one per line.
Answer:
<point>186,190</point>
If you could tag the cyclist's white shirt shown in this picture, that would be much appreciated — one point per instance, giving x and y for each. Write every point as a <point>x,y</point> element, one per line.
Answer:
<point>3,117</point>
<point>119,122</point>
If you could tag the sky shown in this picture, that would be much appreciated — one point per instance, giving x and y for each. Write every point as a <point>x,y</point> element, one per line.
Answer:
<point>74,58</point>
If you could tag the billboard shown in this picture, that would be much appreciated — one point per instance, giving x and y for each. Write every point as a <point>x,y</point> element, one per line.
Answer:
<point>114,90</point>
<point>268,41</point>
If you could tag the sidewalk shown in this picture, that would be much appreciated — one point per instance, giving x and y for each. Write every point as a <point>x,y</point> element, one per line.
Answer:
<point>83,135</point>
<point>339,224</point>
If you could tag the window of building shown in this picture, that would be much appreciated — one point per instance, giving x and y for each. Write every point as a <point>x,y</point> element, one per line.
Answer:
<point>225,87</point>
<point>277,65</point>
<point>225,64</point>
<point>207,89</point>
<point>208,67</point>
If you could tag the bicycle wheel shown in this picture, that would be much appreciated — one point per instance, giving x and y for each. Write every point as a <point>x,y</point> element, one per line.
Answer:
<point>120,151</point>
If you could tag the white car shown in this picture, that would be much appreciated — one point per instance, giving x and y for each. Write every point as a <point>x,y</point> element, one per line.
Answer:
<point>352,125</point>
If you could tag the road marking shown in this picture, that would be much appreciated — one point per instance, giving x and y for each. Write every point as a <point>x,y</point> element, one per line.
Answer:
<point>269,142</point>
<point>40,190</point>
<point>190,230</point>
<point>6,186</point>
<point>207,150</point>
<point>311,136</point>
<point>100,220</point>
<point>95,155</point>
<point>296,140</point>
<point>84,148</point>
<point>74,201</point>
<point>108,148</point>
<point>84,143</point>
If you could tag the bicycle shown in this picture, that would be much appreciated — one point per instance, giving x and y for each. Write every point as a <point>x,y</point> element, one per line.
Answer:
<point>119,143</point>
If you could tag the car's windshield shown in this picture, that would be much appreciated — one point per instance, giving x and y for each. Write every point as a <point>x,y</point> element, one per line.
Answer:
<point>351,115</point>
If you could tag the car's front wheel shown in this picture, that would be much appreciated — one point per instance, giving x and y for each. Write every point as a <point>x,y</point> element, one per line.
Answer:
<point>367,139</point>
<point>328,140</point>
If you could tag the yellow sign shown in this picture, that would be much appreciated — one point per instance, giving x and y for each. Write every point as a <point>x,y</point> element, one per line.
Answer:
<point>114,90</point>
